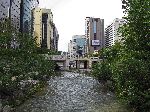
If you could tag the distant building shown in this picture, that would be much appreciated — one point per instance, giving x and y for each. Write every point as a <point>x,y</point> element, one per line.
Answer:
<point>94,32</point>
<point>77,46</point>
<point>19,12</point>
<point>71,50</point>
<point>111,32</point>
<point>55,38</point>
<point>44,30</point>
<point>80,44</point>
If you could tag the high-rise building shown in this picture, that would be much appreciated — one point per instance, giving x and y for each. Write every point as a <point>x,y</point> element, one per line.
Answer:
<point>26,14</point>
<point>44,29</point>
<point>10,9</point>
<point>4,9</point>
<point>19,12</point>
<point>111,32</point>
<point>77,46</point>
<point>55,38</point>
<point>94,33</point>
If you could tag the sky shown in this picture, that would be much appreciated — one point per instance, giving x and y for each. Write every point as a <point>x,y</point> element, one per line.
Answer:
<point>69,15</point>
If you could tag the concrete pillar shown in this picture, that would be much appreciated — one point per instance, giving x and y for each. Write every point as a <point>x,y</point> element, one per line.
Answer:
<point>90,64</point>
<point>66,64</point>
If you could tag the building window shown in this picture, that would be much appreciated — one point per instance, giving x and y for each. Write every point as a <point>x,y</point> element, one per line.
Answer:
<point>74,40</point>
<point>94,36</point>
<point>94,26</point>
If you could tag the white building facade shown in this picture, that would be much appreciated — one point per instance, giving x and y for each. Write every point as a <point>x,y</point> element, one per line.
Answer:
<point>111,32</point>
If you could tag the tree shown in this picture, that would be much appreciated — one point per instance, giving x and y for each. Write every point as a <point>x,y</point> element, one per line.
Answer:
<point>129,62</point>
<point>19,61</point>
<point>137,29</point>
<point>131,71</point>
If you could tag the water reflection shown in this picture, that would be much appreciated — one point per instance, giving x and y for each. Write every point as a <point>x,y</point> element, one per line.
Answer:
<point>71,92</point>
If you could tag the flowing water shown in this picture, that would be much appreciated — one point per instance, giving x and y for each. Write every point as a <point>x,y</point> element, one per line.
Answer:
<point>73,92</point>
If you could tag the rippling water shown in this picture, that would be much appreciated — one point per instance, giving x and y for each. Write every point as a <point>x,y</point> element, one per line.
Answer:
<point>72,92</point>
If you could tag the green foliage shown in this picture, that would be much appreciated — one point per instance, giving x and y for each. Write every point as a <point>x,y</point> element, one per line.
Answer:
<point>128,62</point>
<point>102,71</point>
<point>137,29</point>
<point>20,61</point>
<point>131,77</point>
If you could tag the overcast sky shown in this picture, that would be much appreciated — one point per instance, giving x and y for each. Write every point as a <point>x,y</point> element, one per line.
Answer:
<point>69,15</point>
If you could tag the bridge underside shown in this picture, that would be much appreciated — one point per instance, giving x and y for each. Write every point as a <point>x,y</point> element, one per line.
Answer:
<point>79,63</point>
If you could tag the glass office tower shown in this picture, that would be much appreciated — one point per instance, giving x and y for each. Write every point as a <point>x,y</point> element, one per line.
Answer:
<point>19,12</point>
<point>10,9</point>
<point>26,14</point>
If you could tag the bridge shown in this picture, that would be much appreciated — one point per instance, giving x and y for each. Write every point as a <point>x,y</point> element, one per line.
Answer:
<point>66,63</point>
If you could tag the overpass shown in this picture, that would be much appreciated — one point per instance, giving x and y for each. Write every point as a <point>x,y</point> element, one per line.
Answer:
<point>63,60</point>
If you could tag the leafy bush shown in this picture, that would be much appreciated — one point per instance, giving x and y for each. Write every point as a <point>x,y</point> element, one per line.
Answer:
<point>131,78</point>
<point>102,71</point>
<point>20,61</point>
